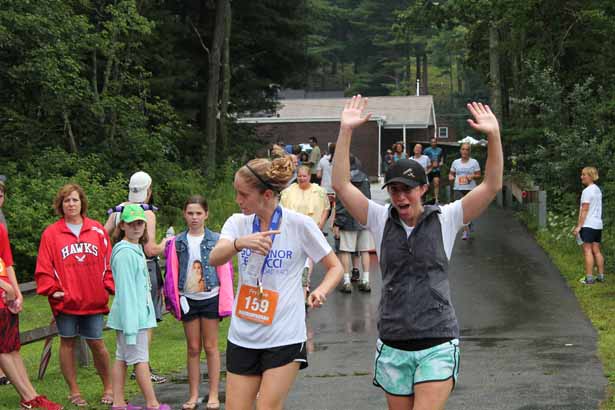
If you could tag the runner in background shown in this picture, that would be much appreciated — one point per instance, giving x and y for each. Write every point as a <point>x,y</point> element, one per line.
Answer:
<point>436,155</point>
<point>422,159</point>
<point>314,160</point>
<point>463,173</point>
<point>324,174</point>
<point>267,337</point>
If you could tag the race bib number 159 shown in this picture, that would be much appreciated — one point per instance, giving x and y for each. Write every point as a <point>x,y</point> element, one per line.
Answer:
<point>256,307</point>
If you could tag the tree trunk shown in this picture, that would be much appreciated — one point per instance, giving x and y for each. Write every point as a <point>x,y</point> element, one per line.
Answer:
<point>450,78</point>
<point>495,80</point>
<point>213,84</point>
<point>425,85</point>
<point>226,78</point>
<point>95,76</point>
<point>459,75</point>
<point>72,144</point>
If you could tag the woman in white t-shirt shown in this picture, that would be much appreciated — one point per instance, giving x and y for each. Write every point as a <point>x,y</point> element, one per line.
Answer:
<point>418,347</point>
<point>589,226</point>
<point>463,173</point>
<point>420,158</point>
<point>267,337</point>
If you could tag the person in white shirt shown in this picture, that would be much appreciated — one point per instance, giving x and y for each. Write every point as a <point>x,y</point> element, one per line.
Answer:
<point>589,226</point>
<point>424,160</point>
<point>267,336</point>
<point>418,347</point>
<point>464,172</point>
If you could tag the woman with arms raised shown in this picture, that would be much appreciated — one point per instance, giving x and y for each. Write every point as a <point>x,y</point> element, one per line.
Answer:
<point>417,359</point>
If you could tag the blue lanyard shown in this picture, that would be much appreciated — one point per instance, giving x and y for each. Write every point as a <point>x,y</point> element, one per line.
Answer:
<point>273,225</point>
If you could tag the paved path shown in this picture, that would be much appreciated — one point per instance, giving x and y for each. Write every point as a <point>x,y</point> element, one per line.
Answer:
<point>525,343</point>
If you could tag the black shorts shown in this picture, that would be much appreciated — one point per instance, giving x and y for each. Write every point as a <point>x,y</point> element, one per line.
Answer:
<point>590,235</point>
<point>433,174</point>
<point>201,309</point>
<point>244,361</point>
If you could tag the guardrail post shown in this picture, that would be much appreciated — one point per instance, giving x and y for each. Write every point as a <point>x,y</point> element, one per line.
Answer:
<point>542,209</point>
<point>508,196</point>
<point>499,199</point>
<point>83,353</point>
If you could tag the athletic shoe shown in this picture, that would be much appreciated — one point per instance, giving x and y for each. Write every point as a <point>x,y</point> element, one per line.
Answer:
<point>40,402</point>
<point>364,286</point>
<point>4,381</point>
<point>346,288</point>
<point>586,281</point>
<point>355,275</point>
<point>600,278</point>
<point>155,378</point>
<point>465,236</point>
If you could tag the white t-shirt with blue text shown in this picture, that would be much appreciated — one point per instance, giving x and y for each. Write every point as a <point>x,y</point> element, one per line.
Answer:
<point>299,238</point>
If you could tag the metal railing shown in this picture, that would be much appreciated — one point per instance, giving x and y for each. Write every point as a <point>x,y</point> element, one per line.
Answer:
<point>532,200</point>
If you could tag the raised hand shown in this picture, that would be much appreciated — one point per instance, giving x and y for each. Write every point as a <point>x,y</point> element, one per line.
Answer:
<point>259,242</point>
<point>484,120</point>
<point>351,116</point>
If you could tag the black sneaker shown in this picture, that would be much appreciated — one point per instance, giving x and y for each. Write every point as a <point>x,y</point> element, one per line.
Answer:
<point>157,378</point>
<point>355,275</point>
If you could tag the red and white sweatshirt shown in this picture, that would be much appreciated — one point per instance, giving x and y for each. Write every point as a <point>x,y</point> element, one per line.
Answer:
<point>79,266</point>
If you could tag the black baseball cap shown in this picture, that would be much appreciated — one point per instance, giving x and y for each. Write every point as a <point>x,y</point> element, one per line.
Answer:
<point>406,171</point>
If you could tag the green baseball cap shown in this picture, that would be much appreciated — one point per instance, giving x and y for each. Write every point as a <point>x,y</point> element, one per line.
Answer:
<point>133,212</point>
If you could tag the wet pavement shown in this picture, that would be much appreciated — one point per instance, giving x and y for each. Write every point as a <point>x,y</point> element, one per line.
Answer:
<point>525,344</point>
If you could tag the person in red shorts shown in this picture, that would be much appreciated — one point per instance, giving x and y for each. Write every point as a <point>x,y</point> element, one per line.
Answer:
<point>11,303</point>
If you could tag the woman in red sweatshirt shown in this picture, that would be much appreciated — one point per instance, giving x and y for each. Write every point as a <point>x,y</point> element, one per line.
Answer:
<point>73,271</point>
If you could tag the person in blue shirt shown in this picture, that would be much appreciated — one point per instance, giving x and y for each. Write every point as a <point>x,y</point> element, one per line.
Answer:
<point>436,155</point>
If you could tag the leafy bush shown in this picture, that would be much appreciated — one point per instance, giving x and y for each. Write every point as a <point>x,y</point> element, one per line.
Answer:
<point>32,186</point>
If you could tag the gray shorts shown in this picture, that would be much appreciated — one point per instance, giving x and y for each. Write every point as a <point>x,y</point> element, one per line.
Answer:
<point>132,354</point>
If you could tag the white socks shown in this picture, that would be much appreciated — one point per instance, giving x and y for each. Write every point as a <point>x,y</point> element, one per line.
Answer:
<point>365,277</point>
<point>346,277</point>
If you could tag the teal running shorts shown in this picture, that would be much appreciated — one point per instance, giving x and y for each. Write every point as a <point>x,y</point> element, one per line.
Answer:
<point>397,371</point>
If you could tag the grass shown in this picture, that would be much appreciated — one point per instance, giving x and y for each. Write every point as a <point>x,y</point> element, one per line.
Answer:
<point>167,356</point>
<point>597,301</point>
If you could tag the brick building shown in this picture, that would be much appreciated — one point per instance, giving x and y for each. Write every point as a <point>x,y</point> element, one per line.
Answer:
<point>408,119</point>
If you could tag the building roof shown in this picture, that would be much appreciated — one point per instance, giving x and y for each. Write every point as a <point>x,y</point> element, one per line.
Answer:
<point>394,112</point>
